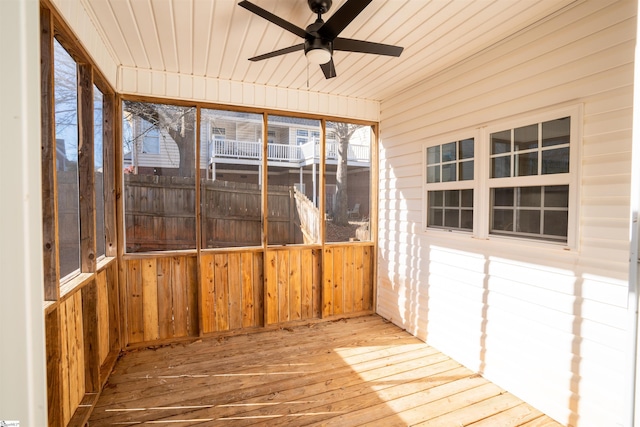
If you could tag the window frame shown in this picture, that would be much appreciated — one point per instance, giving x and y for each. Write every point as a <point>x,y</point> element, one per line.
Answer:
<point>483,184</point>
<point>470,184</point>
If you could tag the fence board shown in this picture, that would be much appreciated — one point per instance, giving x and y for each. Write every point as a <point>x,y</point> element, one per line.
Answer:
<point>283,285</point>
<point>221,291</point>
<point>338,280</point>
<point>103,316</point>
<point>208,293</point>
<point>271,297</point>
<point>306,284</point>
<point>235,291</point>
<point>367,278</point>
<point>248,290</point>
<point>150,299</point>
<point>349,279</point>
<point>114,307</point>
<point>165,304</point>
<point>327,284</point>
<point>258,286</point>
<point>193,326</point>
<point>179,288</point>
<point>295,285</point>
<point>358,279</point>
<point>135,321</point>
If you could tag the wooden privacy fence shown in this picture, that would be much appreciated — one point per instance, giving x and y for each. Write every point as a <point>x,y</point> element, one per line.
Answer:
<point>309,217</point>
<point>160,214</point>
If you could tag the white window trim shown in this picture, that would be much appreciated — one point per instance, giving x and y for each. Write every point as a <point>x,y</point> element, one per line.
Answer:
<point>451,185</point>
<point>482,183</point>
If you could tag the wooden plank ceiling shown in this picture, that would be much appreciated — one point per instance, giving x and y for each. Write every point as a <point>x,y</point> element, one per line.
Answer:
<point>214,38</point>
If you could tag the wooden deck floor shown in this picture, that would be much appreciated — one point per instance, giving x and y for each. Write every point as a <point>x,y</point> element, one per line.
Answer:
<point>360,371</point>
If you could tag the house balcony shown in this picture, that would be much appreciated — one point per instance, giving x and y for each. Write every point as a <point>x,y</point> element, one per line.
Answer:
<point>285,155</point>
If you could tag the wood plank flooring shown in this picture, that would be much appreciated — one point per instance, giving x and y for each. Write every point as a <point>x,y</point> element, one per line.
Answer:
<point>358,371</point>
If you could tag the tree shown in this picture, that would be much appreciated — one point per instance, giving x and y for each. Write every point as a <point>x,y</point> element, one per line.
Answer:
<point>343,132</point>
<point>177,121</point>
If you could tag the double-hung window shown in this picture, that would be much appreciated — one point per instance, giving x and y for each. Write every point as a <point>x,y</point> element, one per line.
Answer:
<point>530,180</point>
<point>449,182</point>
<point>516,179</point>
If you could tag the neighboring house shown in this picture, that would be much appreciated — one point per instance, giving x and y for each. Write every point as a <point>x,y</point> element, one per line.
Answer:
<point>231,150</point>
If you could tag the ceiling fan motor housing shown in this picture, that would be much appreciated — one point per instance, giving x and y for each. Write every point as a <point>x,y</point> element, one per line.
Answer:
<point>319,6</point>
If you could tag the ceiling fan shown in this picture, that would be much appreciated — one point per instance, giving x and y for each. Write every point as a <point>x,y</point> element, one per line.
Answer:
<point>321,38</point>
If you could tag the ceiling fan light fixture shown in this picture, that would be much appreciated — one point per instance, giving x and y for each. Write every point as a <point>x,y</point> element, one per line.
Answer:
<point>318,56</point>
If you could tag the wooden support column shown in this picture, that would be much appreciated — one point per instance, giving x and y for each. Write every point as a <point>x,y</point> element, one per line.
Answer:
<point>265,219</point>
<point>323,209</point>
<point>85,170</point>
<point>109,174</point>
<point>49,223</point>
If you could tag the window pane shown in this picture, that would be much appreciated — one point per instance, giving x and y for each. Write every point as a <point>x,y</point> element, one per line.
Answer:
<point>502,220</point>
<point>230,178</point>
<point>449,152</point>
<point>452,218</point>
<point>451,198</point>
<point>466,198</point>
<point>526,164</point>
<point>529,197</point>
<point>348,181</point>
<point>502,196</point>
<point>555,161</point>
<point>66,126</point>
<point>159,188</point>
<point>433,173</point>
<point>436,198</point>
<point>466,219</point>
<point>436,217</point>
<point>98,170</point>
<point>528,221</point>
<point>433,155</point>
<point>449,172</point>
<point>525,138</point>
<point>556,132</point>
<point>501,167</point>
<point>556,196</point>
<point>501,142</point>
<point>465,150</point>
<point>556,223</point>
<point>466,171</point>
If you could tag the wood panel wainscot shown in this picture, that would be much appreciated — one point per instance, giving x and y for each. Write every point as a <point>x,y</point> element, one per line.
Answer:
<point>347,279</point>
<point>293,280</point>
<point>161,298</point>
<point>232,290</point>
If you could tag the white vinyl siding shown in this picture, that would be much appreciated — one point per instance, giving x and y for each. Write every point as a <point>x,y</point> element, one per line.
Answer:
<point>545,323</point>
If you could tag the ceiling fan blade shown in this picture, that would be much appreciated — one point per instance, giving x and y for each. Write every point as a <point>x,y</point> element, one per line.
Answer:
<point>342,18</point>
<point>278,52</point>
<point>351,45</point>
<point>273,18</point>
<point>329,69</point>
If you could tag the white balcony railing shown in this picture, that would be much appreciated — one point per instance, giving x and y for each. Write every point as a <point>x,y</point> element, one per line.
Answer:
<point>231,149</point>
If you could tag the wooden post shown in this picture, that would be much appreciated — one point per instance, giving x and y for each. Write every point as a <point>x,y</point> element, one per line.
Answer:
<point>322,155</point>
<point>49,223</point>
<point>109,174</point>
<point>85,170</point>
<point>198,282</point>
<point>265,214</point>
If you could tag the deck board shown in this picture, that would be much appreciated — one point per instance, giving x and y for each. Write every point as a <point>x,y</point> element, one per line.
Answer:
<point>358,371</point>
